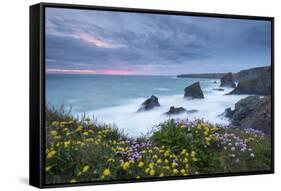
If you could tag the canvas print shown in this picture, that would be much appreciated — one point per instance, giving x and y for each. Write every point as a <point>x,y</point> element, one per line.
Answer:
<point>133,96</point>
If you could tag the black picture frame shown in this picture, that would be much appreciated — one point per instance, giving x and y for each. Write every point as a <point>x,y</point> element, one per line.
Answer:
<point>37,92</point>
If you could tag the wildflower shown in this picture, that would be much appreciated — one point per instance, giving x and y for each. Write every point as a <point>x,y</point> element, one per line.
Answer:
<point>232,149</point>
<point>175,171</point>
<point>193,153</point>
<point>152,172</point>
<point>141,164</point>
<point>166,161</point>
<point>89,140</point>
<point>182,171</point>
<point>73,180</point>
<point>183,152</point>
<point>155,156</point>
<point>47,168</point>
<point>166,167</point>
<point>151,165</point>
<point>194,159</point>
<point>147,170</point>
<point>57,137</point>
<point>66,143</point>
<point>131,161</point>
<point>137,177</point>
<point>54,132</point>
<point>159,161</point>
<point>106,172</point>
<point>174,165</point>
<point>252,155</point>
<point>125,166</point>
<point>110,160</point>
<point>85,168</point>
<point>51,154</point>
<point>162,174</point>
<point>85,133</point>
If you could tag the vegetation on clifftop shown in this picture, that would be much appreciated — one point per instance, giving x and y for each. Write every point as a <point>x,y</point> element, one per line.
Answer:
<point>79,150</point>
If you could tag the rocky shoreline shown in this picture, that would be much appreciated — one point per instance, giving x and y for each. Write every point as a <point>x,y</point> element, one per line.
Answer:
<point>254,111</point>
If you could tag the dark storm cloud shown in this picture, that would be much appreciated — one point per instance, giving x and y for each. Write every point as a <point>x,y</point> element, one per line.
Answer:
<point>153,44</point>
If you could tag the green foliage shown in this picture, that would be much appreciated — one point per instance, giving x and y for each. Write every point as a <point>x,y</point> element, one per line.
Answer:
<point>79,150</point>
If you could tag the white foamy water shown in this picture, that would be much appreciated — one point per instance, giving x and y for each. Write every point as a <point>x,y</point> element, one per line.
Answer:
<point>115,99</point>
<point>135,123</point>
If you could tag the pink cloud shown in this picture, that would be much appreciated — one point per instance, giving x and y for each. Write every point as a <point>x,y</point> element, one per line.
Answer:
<point>98,71</point>
<point>94,40</point>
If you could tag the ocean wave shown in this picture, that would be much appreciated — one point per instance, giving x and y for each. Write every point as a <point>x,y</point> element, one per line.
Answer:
<point>135,123</point>
<point>162,89</point>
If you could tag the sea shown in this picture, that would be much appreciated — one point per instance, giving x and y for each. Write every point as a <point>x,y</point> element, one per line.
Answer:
<point>115,99</point>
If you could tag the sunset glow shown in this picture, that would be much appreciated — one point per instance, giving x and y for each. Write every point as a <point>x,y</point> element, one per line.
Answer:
<point>99,71</point>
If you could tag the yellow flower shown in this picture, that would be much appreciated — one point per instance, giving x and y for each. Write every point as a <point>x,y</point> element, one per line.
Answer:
<point>54,132</point>
<point>152,172</point>
<point>174,165</point>
<point>47,168</point>
<point>110,160</point>
<point>166,167</point>
<point>73,180</point>
<point>159,161</point>
<point>57,137</point>
<point>137,177</point>
<point>51,154</point>
<point>182,171</point>
<point>147,170</point>
<point>194,159</point>
<point>183,152</point>
<point>141,164</point>
<point>175,171</point>
<point>166,161</point>
<point>85,168</point>
<point>58,144</point>
<point>193,153</point>
<point>66,143</point>
<point>131,161</point>
<point>155,156</point>
<point>167,153</point>
<point>125,166</point>
<point>106,172</point>
<point>162,174</point>
<point>185,160</point>
<point>85,133</point>
<point>186,166</point>
<point>151,165</point>
<point>54,123</point>
<point>89,140</point>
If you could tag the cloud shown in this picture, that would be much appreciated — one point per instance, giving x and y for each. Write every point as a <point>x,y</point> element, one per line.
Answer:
<point>152,44</point>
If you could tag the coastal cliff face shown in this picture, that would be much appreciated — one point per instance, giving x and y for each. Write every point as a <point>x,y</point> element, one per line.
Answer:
<point>252,112</point>
<point>256,86</point>
<point>239,76</point>
<point>253,73</point>
<point>255,81</point>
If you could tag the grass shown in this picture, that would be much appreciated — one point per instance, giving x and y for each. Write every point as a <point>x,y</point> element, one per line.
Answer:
<point>79,150</point>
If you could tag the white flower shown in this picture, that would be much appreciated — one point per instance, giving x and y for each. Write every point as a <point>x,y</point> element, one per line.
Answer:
<point>252,155</point>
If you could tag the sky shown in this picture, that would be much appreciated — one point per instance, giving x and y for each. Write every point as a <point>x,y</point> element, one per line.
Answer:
<point>120,43</point>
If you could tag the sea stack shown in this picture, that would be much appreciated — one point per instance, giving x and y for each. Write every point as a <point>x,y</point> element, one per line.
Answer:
<point>193,91</point>
<point>227,81</point>
<point>149,104</point>
<point>175,110</point>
